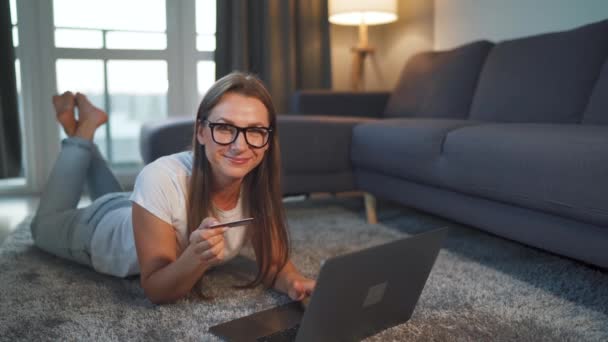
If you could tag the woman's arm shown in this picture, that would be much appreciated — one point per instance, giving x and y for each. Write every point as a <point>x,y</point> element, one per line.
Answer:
<point>165,276</point>
<point>293,283</point>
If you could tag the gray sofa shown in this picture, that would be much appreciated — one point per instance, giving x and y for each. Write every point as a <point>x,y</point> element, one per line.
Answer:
<point>511,138</point>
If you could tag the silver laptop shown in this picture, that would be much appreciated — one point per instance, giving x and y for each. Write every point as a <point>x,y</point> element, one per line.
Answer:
<point>357,295</point>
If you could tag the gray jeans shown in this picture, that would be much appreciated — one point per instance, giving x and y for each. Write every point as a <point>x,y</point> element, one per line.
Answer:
<point>59,227</point>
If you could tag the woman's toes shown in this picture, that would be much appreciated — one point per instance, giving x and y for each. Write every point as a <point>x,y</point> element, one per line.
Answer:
<point>87,112</point>
<point>64,110</point>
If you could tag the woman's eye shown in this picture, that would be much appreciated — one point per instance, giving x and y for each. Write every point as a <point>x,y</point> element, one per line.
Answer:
<point>224,128</point>
<point>257,131</point>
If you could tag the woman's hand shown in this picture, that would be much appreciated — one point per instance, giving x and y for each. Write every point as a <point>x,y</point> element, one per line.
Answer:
<point>207,245</point>
<point>291,282</point>
<point>167,273</point>
<point>300,287</point>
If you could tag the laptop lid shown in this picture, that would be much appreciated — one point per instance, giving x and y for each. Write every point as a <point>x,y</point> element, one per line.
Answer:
<point>362,293</point>
<point>357,294</point>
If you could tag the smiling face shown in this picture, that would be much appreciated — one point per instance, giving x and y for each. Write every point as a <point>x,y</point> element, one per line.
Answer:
<point>233,162</point>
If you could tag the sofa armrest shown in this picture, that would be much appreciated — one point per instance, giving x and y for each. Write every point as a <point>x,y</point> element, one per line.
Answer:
<point>343,103</point>
<point>315,152</point>
<point>161,138</point>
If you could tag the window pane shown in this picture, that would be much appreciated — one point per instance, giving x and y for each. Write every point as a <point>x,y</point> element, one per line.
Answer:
<point>136,40</point>
<point>82,75</point>
<point>13,5</point>
<point>137,77</point>
<point>205,16</point>
<point>205,42</point>
<point>83,39</point>
<point>127,15</point>
<point>205,76</point>
<point>18,75</point>
<point>15,36</point>
<point>85,76</point>
<point>138,93</point>
<point>18,81</point>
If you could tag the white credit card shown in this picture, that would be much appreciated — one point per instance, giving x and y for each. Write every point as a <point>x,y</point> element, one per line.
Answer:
<point>231,224</point>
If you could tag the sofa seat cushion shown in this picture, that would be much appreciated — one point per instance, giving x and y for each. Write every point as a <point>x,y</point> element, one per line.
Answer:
<point>560,169</point>
<point>545,78</point>
<point>406,148</point>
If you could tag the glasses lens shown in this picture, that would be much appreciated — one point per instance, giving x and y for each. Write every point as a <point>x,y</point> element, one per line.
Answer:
<point>257,137</point>
<point>224,134</point>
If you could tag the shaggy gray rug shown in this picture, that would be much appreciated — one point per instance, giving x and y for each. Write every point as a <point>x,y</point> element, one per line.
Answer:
<point>481,288</point>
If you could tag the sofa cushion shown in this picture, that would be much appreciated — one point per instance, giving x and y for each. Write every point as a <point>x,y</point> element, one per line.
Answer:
<point>543,78</point>
<point>597,108</point>
<point>406,148</point>
<point>438,84</point>
<point>560,169</point>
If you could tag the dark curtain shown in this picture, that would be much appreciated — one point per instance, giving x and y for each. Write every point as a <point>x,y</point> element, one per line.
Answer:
<point>284,42</point>
<point>10,140</point>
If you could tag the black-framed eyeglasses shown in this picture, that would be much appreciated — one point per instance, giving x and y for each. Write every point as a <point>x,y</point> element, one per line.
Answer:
<point>226,134</point>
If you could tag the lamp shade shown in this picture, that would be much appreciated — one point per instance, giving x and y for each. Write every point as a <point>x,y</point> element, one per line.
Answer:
<point>368,12</point>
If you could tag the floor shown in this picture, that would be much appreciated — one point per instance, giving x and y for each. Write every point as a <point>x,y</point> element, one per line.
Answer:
<point>482,288</point>
<point>13,209</point>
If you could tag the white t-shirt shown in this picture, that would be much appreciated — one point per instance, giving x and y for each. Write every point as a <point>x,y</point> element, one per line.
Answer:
<point>160,188</point>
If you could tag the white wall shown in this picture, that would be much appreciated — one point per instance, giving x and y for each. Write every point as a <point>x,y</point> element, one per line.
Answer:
<point>460,21</point>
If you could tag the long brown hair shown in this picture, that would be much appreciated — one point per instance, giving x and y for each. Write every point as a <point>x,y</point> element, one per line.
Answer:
<point>261,188</point>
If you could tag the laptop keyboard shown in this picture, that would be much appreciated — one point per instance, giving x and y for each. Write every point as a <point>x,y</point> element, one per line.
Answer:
<point>287,335</point>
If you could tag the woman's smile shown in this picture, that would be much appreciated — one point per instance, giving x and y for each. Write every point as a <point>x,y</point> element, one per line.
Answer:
<point>237,160</point>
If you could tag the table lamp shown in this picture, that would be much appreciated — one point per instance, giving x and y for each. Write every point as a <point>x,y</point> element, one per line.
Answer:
<point>361,13</point>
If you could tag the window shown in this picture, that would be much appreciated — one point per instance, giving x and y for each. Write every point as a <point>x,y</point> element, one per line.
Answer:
<point>13,6</point>
<point>99,24</point>
<point>131,81</point>
<point>20,180</point>
<point>205,25</point>
<point>139,60</point>
<point>205,41</point>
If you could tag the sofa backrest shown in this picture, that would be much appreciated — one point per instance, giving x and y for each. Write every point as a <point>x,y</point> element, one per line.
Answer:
<point>597,108</point>
<point>168,136</point>
<point>438,83</point>
<point>542,78</point>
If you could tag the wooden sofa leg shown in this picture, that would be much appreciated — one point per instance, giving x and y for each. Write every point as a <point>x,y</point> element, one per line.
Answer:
<point>370,208</point>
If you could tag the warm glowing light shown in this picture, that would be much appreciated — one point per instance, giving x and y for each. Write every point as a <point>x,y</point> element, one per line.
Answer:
<point>368,12</point>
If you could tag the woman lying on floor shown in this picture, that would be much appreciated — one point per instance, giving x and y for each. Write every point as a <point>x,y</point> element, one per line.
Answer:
<point>160,230</point>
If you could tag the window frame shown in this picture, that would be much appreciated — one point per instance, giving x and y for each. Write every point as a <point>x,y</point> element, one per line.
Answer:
<point>37,55</point>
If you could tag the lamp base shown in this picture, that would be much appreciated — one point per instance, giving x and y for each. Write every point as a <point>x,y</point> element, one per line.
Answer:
<point>359,54</point>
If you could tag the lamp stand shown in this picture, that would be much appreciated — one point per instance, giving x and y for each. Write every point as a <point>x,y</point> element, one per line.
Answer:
<point>359,53</point>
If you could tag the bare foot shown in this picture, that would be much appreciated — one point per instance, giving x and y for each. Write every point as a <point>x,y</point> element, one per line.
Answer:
<point>64,109</point>
<point>89,117</point>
